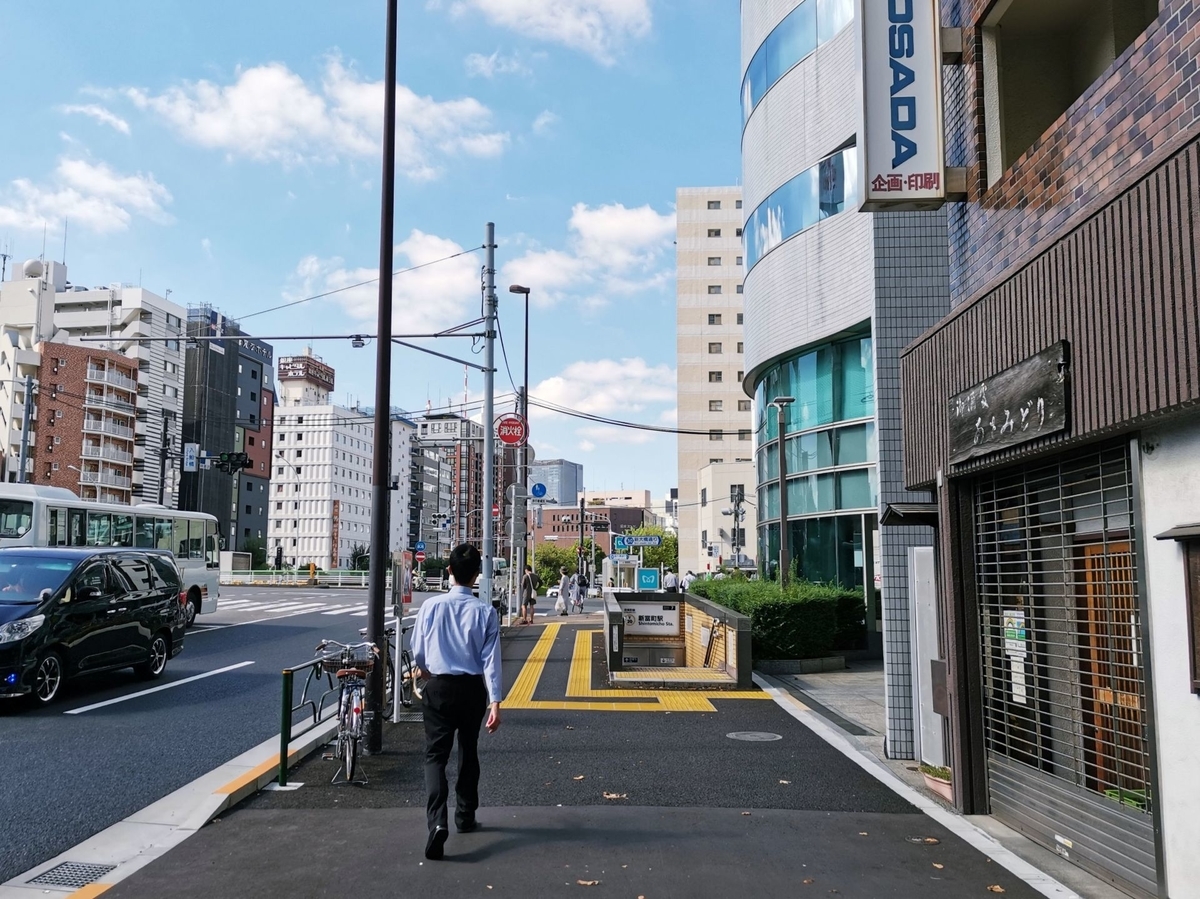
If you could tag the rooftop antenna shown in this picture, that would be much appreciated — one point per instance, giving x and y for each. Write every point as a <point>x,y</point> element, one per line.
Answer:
<point>4,257</point>
<point>66,221</point>
<point>43,245</point>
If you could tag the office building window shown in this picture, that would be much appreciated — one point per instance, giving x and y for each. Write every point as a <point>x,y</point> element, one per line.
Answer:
<point>739,261</point>
<point>714,377</point>
<point>739,347</point>
<point>716,434</point>
<point>741,375</point>
<point>714,349</point>
<point>714,405</point>
<point>743,434</point>
<point>739,315</point>
<point>739,232</point>
<point>743,405</point>
<point>714,289</point>
<point>714,260</point>
<point>739,204</point>
<point>714,204</point>
<point>714,232</point>
<point>714,319</point>
<point>739,290</point>
<point>703,497</point>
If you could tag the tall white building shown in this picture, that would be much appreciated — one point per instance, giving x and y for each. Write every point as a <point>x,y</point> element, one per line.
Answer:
<point>403,436</point>
<point>26,319</point>
<point>122,313</point>
<point>708,314</point>
<point>321,487</point>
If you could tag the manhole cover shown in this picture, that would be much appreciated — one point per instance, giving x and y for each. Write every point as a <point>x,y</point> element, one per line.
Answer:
<point>754,736</point>
<point>72,874</point>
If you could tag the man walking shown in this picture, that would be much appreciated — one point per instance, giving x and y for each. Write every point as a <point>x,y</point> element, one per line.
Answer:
<point>456,644</point>
<point>671,582</point>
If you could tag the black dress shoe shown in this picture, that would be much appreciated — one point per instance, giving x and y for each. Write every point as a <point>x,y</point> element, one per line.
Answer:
<point>435,845</point>
<point>467,826</point>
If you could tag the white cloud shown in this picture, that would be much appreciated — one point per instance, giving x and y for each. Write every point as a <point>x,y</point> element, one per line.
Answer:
<point>480,66</point>
<point>544,121</point>
<point>617,388</point>
<point>598,28</point>
<point>612,250</point>
<point>426,300</point>
<point>100,114</point>
<point>206,246</point>
<point>92,196</point>
<point>269,113</point>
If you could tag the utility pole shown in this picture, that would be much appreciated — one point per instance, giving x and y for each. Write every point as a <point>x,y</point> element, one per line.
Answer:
<point>26,420</point>
<point>580,568</point>
<point>489,411</point>
<point>162,462</point>
<point>381,461</point>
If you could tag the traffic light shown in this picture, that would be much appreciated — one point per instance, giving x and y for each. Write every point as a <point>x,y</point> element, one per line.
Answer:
<point>232,462</point>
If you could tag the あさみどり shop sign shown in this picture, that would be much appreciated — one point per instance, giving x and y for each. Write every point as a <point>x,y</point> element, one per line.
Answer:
<point>901,138</point>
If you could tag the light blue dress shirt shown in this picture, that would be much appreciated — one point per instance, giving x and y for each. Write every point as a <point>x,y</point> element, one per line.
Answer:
<point>458,633</point>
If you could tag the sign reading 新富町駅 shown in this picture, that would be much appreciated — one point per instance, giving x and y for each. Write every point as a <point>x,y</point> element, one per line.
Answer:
<point>901,139</point>
<point>1019,404</point>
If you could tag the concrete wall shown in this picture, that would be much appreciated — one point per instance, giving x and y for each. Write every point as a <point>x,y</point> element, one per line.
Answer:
<point>1170,497</point>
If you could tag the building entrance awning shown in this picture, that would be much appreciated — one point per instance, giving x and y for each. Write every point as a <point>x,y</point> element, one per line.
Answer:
<point>910,514</point>
<point>1180,532</point>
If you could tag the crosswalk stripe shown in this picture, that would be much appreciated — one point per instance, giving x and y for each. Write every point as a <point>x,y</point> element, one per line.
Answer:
<point>283,607</point>
<point>346,611</point>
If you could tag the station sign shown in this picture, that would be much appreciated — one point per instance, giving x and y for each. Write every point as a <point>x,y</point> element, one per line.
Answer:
<point>650,618</point>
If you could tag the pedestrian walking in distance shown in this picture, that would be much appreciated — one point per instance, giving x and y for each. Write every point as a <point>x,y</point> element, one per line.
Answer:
<point>564,592</point>
<point>456,645</point>
<point>671,582</point>
<point>529,588</point>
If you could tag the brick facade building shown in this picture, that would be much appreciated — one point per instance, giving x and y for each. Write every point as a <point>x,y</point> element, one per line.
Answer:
<point>1052,416</point>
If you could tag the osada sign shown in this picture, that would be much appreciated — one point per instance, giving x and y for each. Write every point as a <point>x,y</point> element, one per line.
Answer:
<point>901,138</point>
<point>512,430</point>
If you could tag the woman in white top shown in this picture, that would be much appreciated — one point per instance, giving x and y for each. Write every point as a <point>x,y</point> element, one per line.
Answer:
<point>564,592</point>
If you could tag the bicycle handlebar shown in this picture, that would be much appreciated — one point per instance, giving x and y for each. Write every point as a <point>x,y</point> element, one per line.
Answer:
<point>334,643</point>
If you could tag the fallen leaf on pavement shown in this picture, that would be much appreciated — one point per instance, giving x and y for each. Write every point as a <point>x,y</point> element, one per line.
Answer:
<point>862,833</point>
<point>931,841</point>
<point>807,880</point>
<point>996,888</point>
<point>939,867</point>
<point>587,883</point>
<point>785,781</point>
<point>579,777</point>
<point>745,814</point>
<point>608,795</point>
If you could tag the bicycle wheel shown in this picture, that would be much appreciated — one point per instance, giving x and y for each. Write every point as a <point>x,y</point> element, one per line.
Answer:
<point>353,727</point>
<point>408,682</point>
<point>389,689</point>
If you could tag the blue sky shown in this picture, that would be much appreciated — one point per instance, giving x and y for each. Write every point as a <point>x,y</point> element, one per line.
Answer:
<point>230,153</point>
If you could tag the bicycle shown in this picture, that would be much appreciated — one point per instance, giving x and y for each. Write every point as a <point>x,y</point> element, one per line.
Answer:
<point>351,665</point>
<point>410,685</point>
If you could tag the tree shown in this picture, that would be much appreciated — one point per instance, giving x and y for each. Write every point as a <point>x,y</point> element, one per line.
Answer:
<point>258,553</point>
<point>360,557</point>
<point>667,555</point>
<point>550,558</point>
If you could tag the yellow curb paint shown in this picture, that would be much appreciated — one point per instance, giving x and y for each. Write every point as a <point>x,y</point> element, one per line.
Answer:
<point>91,891</point>
<point>252,775</point>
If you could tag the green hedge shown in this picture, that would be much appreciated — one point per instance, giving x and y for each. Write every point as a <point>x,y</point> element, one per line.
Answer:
<point>805,622</point>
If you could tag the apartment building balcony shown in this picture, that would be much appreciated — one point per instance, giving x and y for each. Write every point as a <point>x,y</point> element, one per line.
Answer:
<point>111,376</point>
<point>108,479</point>
<point>98,426</point>
<point>109,401</point>
<point>107,453</point>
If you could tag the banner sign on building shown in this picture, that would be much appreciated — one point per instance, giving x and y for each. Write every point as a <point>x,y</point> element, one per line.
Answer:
<point>1019,404</point>
<point>901,142</point>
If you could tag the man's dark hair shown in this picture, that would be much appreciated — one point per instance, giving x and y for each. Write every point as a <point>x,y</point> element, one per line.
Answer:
<point>465,564</point>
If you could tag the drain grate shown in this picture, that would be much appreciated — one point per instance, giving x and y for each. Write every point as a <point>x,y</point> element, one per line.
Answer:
<point>72,874</point>
<point>410,717</point>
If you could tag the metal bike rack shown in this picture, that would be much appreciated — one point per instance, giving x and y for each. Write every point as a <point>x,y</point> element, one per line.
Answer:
<point>316,707</point>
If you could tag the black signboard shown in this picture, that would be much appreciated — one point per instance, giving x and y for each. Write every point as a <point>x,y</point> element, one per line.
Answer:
<point>1020,404</point>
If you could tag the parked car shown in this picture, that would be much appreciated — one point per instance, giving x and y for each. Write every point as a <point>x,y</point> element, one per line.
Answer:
<point>73,610</point>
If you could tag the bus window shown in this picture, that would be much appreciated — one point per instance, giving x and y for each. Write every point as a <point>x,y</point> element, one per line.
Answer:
<point>212,545</point>
<point>163,534</point>
<point>195,538</point>
<point>16,517</point>
<point>76,534</point>
<point>122,530</point>
<point>58,527</point>
<point>99,529</point>
<point>143,537</point>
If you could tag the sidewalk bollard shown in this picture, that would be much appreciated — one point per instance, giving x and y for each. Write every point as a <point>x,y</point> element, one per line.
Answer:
<point>285,728</point>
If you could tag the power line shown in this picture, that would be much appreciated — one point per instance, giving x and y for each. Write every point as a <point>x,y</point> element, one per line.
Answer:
<point>330,293</point>
<point>615,422</point>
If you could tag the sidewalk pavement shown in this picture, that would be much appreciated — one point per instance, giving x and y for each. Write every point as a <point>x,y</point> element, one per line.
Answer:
<point>630,795</point>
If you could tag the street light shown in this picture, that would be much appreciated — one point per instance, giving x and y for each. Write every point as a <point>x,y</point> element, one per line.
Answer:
<point>524,291</point>
<point>780,403</point>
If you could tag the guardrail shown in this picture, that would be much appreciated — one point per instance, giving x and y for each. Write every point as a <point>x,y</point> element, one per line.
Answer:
<point>316,707</point>
<point>273,578</point>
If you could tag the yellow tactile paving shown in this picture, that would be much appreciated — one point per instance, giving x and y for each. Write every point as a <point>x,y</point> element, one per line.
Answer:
<point>688,674</point>
<point>581,696</point>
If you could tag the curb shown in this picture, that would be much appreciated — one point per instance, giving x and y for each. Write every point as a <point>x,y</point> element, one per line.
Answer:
<point>147,834</point>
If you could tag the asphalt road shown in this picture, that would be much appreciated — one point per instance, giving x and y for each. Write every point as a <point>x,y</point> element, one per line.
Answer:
<point>69,776</point>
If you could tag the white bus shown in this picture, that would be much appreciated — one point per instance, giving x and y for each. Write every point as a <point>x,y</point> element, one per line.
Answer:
<point>52,516</point>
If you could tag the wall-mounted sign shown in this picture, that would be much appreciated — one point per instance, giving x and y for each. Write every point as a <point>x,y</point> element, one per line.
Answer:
<point>901,149</point>
<point>1020,404</point>
<point>651,618</point>
<point>307,368</point>
<point>647,579</point>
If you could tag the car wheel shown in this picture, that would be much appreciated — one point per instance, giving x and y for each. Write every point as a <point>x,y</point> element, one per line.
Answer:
<point>190,610</point>
<point>157,663</point>
<point>48,679</point>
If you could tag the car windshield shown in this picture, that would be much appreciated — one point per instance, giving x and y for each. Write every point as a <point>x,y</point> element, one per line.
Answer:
<point>23,576</point>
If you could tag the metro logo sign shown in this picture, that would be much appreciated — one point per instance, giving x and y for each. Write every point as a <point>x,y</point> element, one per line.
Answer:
<point>901,138</point>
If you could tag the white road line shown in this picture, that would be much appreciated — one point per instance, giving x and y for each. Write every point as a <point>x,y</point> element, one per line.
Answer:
<point>362,614</point>
<point>226,603</point>
<point>221,627</point>
<point>347,611</point>
<point>186,680</point>
<point>287,606</point>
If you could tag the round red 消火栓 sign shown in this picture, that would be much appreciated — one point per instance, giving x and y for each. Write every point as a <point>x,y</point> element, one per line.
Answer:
<point>512,430</point>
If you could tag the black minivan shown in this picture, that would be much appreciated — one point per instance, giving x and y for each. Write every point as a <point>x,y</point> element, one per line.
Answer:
<point>67,611</point>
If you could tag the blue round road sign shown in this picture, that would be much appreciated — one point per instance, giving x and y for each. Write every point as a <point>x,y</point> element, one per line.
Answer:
<point>538,490</point>
<point>419,546</point>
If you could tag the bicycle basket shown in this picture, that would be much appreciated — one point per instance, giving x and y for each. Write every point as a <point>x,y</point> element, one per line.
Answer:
<point>334,664</point>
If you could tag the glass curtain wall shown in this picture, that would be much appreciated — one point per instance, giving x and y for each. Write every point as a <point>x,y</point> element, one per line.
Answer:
<point>831,459</point>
